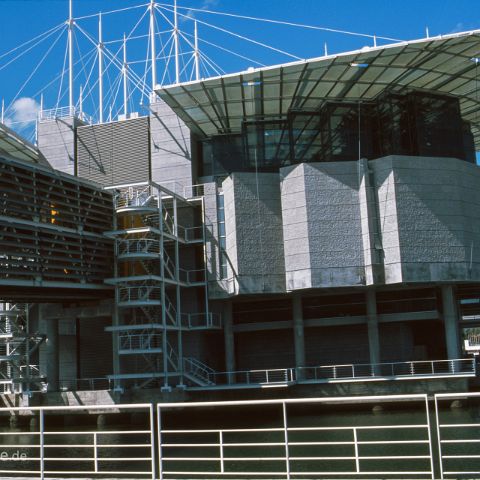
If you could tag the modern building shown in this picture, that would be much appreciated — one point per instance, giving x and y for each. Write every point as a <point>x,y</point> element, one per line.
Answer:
<point>299,223</point>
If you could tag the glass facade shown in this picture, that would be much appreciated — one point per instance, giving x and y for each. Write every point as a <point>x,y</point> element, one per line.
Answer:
<point>415,124</point>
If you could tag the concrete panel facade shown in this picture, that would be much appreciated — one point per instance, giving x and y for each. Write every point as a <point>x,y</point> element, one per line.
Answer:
<point>56,141</point>
<point>322,225</point>
<point>170,147</point>
<point>435,224</point>
<point>254,237</point>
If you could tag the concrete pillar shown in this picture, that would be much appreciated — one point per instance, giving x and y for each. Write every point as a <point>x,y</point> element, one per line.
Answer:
<point>450,316</point>
<point>372,325</point>
<point>49,361</point>
<point>229,339</point>
<point>298,335</point>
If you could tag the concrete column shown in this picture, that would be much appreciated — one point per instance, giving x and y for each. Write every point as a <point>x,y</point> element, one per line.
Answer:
<point>298,335</point>
<point>372,325</point>
<point>48,354</point>
<point>229,339</point>
<point>450,316</point>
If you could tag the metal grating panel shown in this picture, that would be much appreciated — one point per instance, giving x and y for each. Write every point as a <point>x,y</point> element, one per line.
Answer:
<point>114,153</point>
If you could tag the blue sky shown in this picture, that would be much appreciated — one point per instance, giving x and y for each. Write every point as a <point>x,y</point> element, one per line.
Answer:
<point>25,19</point>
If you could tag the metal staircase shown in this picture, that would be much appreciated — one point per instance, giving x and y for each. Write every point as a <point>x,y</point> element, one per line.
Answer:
<point>17,350</point>
<point>151,282</point>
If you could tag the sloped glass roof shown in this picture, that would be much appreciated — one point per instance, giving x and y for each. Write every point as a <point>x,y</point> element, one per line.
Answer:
<point>13,146</point>
<point>446,65</point>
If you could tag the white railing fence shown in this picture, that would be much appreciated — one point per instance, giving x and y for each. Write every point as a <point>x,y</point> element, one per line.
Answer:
<point>268,439</point>
<point>458,435</point>
<point>47,450</point>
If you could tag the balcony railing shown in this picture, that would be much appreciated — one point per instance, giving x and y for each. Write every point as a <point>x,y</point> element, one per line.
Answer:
<point>338,373</point>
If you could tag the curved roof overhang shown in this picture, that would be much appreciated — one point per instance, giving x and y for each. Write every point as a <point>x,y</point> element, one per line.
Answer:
<point>446,65</point>
<point>14,146</point>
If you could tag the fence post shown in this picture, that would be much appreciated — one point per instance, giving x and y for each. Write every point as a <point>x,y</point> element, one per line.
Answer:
<point>287,450</point>
<point>355,444</point>
<point>95,453</point>
<point>220,440</point>
<point>42,445</point>
<point>159,433</point>
<point>152,440</point>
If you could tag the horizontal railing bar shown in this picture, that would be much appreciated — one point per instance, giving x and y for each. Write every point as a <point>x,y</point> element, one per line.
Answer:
<point>225,459</point>
<point>121,406</point>
<point>232,430</point>
<point>383,427</point>
<point>294,401</point>
<point>92,459</point>
<point>471,440</point>
<point>83,445</point>
<point>90,472</point>
<point>461,456</point>
<point>459,425</point>
<point>107,432</point>
<point>264,474</point>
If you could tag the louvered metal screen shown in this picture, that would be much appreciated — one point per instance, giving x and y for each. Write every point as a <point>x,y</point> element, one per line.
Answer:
<point>114,153</point>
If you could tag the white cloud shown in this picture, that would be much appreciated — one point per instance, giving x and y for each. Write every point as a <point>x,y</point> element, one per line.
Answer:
<point>205,5</point>
<point>23,111</point>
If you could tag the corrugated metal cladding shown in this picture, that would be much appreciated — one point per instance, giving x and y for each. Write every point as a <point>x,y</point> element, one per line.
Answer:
<point>114,153</point>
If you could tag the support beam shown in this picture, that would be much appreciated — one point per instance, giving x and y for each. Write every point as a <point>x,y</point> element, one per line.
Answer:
<point>372,325</point>
<point>298,335</point>
<point>70,59</point>
<point>229,339</point>
<point>196,54</point>
<point>124,73</point>
<point>175,38</point>
<point>450,316</point>
<point>152,46</point>
<point>100,69</point>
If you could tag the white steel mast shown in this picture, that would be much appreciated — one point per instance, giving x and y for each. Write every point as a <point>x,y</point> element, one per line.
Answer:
<point>100,68</point>
<point>152,46</point>
<point>125,67</point>
<point>70,58</point>
<point>175,37</point>
<point>196,54</point>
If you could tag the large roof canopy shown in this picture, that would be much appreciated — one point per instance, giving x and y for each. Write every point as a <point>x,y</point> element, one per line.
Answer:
<point>446,64</point>
<point>14,146</point>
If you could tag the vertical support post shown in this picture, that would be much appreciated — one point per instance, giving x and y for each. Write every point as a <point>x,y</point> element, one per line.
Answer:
<point>95,452</point>
<point>159,433</point>
<point>152,440</point>
<point>100,68</point>
<point>177,289</point>
<point>152,46</point>
<point>298,336</point>
<point>162,290</point>
<point>429,431</point>
<point>175,38</point>
<point>70,58</point>
<point>80,101</point>
<point>450,316</point>
<point>220,445</point>
<point>285,433</point>
<point>196,54</point>
<point>42,443</point>
<point>124,73</point>
<point>439,439</point>
<point>355,444</point>
<point>372,325</point>
<point>229,341</point>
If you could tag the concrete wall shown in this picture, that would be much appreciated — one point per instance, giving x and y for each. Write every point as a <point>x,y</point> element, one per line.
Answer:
<point>430,218</point>
<point>253,224</point>
<point>56,141</point>
<point>170,147</point>
<point>322,225</point>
